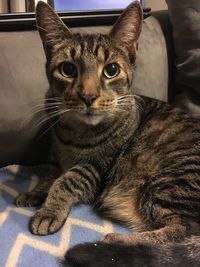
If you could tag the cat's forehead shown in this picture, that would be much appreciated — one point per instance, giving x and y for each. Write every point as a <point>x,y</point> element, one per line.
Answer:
<point>86,48</point>
<point>91,42</point>
<point>89,46</point>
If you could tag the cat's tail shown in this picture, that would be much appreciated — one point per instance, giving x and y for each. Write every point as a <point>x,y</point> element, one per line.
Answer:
<point>186,254</point>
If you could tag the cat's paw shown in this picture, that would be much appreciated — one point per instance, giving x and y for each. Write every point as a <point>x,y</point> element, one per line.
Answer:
<point>46,222</point>
<point>29,199</point>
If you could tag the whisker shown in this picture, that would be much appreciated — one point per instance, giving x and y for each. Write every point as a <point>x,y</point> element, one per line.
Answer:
<point>43,100</point>
<point>38,107</point>
<point>51,116</point>
<point>45,118</point>
<point>126,96</point>
<point>63,112</point>
<point>49,127</point>
<point>125,102</point>
<point>47,105</point>
<point>126,99</point>
<point>44,104</point>
<point>35,112</point>
<point>51,101</point>
<point>41,121</point>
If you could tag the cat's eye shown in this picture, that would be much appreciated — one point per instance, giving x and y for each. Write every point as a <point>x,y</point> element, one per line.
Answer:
<point>69,70</point>
<point>111,70</point>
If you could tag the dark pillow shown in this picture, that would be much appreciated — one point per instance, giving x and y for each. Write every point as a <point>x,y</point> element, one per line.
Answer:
<point>23,85</point>
<point>185,19</point>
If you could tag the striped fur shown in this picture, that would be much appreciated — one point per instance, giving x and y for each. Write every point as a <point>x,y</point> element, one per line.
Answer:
<point>135,159</point>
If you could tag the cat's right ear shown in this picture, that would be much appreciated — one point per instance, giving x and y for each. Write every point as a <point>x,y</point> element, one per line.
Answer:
<point>127,29</point>
<point>51,28</point>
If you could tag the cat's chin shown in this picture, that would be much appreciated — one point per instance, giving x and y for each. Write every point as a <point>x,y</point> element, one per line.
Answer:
<point>90,119</point>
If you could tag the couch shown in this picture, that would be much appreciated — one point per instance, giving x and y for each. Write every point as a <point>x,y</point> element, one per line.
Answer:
<point>22,86</point>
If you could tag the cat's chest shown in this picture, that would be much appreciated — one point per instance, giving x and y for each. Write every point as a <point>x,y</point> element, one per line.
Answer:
<point>65,156</point>
<point>69,154</point>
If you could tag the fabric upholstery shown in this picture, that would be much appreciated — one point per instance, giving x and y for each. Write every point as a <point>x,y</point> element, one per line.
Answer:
<point>23,85</point>
<point>185,19</point>
<point>151,77</point>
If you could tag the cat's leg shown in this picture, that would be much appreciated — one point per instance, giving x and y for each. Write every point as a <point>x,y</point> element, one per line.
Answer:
<point>158,224</point>
<point>172,232</point>
<point>38,194</point>
<point>77,185</point>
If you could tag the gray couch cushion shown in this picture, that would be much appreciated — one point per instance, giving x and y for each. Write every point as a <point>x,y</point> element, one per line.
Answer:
<point>185,18</point>
<point>23,85</point>
<point>151,78</point>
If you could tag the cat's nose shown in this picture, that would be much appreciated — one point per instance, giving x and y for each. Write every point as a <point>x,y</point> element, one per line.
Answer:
<point>88,99</point>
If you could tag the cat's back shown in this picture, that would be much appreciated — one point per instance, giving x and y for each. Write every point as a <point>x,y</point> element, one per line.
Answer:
<point>160,166</point>
<point>163,125</point>
<point>168,141</point>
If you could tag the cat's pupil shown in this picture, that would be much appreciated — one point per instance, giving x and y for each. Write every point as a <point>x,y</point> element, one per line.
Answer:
<point>68,70</point>
<point>111,70</point>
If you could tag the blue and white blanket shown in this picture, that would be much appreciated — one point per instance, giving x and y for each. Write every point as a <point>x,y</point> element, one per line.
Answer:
<point>20,248</point>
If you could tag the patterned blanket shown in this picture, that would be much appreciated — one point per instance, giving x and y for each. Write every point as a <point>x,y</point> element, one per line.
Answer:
<point>20,248</point>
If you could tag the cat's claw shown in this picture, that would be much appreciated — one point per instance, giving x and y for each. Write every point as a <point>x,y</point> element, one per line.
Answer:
<point>29,199</point>
<point>44,222</point>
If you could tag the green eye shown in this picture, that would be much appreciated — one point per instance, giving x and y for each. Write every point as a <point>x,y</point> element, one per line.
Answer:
<point>68,70</point>
<point>111,70</point>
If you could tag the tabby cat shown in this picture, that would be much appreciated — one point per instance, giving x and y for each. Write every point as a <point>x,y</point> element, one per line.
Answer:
<point>135,159</point>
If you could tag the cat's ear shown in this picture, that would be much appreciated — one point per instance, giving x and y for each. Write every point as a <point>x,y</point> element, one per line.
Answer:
<point>126,31</point>
<point>51,28</point>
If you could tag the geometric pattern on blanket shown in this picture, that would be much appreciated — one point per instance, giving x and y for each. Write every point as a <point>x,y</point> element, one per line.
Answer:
<point>20,248</point>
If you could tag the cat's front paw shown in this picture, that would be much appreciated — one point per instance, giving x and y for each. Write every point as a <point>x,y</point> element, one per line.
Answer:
<point>29,199</point>
<point>46,222</point>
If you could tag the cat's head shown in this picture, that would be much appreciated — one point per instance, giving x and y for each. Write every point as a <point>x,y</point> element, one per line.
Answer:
<point>91,74</point>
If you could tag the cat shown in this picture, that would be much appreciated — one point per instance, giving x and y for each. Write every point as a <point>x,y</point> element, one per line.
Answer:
<point>134,158</point>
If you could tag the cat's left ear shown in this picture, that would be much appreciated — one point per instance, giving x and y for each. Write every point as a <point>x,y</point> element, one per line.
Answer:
<point>126,31</point>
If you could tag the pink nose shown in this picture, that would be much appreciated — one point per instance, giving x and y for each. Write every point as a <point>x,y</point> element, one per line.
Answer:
<point>88,99</point>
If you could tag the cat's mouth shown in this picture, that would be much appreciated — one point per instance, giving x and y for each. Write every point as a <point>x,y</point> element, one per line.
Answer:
<point>90,111</point>
<point>89,116</point>
<point>90,119</point>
